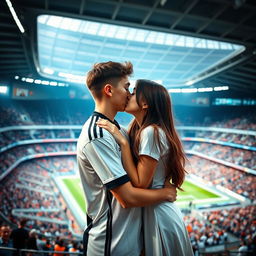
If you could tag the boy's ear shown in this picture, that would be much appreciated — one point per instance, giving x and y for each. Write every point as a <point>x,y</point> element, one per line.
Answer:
<point>108,89</point>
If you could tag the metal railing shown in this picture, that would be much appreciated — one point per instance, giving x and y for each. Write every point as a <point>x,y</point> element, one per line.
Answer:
<point>227,253</point>
<point>27,252</point>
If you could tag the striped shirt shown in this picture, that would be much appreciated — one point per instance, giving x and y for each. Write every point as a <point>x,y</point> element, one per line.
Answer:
<point>111,230</point>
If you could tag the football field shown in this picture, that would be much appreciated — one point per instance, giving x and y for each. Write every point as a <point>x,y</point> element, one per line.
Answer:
<point>192,192</point>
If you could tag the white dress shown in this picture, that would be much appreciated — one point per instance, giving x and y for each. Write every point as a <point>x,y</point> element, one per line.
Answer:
<point>164,230</point>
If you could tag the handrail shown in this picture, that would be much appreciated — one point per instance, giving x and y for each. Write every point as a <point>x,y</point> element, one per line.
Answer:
<point>201,253</point>
<point>38,251</point>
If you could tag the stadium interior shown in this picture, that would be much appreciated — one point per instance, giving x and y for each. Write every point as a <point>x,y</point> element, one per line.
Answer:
<point>202,51</point>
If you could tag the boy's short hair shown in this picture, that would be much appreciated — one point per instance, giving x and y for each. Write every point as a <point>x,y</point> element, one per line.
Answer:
<point>106,72</point>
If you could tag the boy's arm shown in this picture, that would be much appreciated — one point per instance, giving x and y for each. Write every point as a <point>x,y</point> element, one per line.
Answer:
<point>129,196</point>
<point>106,162</point>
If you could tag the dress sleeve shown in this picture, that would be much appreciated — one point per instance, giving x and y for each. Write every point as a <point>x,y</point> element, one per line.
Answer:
<point>148,144</point>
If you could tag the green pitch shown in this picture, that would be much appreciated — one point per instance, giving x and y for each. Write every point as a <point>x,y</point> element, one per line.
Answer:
<point>191,192</point>
<point>75,188</point>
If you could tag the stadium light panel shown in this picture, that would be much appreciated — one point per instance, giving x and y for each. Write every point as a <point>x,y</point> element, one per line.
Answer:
<point>53,83</point>
<point>221,88</point>
<point>44,82</point>
<point>188,90</point>
<point>37,81</point>
<point>15,17</point>
<point>178,90</point>
<point>207,89</point>
<point>29,80</point>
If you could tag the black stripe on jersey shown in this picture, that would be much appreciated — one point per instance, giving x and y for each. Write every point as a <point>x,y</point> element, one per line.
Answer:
<point>86,235</point>
<point>95,126</point>
<point>104,117</point>
<point>101,132</point>
<point>89,129</point>
<point>117,182</point>
<point>92,130</point>
<point>109,226</point>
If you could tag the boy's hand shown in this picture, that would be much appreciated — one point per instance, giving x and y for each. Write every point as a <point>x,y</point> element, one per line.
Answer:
<point>172,192</point>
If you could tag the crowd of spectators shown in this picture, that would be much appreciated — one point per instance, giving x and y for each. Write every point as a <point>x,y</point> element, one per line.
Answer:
<point>238,181</point>
<point>9,116</point>
<point>243,123</point>
<point>215,227</point>
<point>10,137</point>
<point>243,139</point>
<point>230,119</point>
<point>30,186</point>
<point>76,112</point>
<point>9,157</point>
<point>242,157</point>
<point>23,237</point>
<point>31,192</point>
<point>44,112</point>
<point>203,233</point>
<point>239,221</point>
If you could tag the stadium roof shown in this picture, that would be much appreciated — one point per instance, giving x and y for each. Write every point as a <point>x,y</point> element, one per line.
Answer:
<point>67,48</point>
<point>231,22</point>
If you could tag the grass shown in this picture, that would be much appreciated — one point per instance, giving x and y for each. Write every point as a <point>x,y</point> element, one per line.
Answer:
<point>75,188</point>
<point>192,191</point>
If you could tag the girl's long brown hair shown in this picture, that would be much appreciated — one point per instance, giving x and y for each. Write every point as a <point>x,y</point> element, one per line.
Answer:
<point>159,114</point>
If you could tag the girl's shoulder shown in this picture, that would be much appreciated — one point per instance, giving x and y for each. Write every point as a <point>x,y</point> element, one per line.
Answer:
<point>150,130</point>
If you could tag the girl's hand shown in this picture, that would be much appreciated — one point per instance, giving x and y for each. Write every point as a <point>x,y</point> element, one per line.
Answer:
<point>107,125</point>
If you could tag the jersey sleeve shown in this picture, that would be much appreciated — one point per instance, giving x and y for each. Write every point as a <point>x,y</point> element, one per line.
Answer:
<point>105,159</point>
<point>148,144</point>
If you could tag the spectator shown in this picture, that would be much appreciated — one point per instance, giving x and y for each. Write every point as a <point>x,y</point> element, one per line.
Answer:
<point>74,247</point>
<point>20,236</point>
<point>47,247</point>
<point>59,247</point>
<point>32,241</point>
<point>5,241</point>
<point>243,249</point>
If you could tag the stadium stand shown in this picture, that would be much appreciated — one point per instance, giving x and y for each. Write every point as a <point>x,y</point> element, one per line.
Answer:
<point>32,182</point>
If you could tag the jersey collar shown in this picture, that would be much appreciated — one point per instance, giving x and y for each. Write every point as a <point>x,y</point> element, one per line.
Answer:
<point>95,113</point>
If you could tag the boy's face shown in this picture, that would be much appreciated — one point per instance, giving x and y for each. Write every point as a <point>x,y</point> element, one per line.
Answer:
<point>121,94</point>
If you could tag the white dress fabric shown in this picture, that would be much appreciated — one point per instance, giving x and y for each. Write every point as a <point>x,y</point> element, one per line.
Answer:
<point>165,233</point>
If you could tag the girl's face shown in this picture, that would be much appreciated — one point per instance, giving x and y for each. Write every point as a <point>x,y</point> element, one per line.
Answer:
<point>132,106</point>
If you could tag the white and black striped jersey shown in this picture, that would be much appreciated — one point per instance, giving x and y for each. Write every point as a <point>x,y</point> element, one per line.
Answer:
<point>111,230</point>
